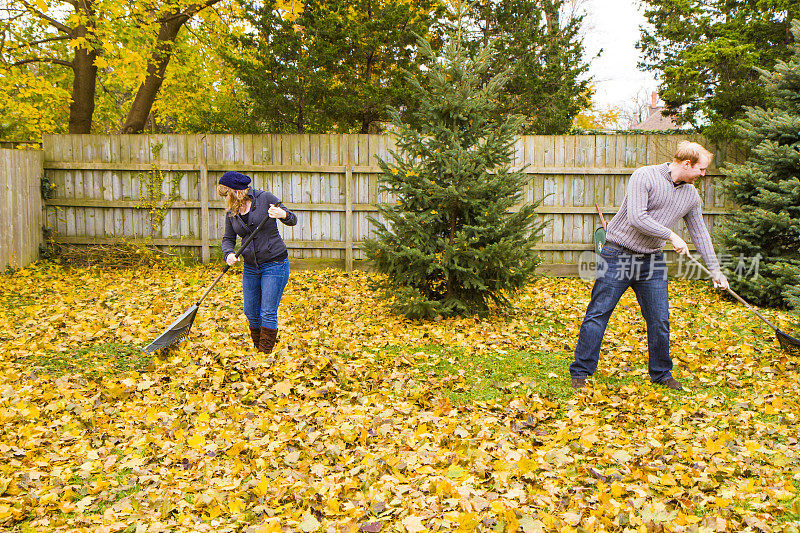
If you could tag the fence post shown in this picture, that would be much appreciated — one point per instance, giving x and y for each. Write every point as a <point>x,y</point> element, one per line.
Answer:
<point>348,218</point>
<point>202,163</point>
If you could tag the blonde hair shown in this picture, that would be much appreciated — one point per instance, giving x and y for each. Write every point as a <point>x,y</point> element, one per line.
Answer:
<point>691,151</point>
<point>234,199</point>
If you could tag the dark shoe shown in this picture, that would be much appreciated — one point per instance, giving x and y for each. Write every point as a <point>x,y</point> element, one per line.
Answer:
<point>267,339</point>
<point>255,333</point>
<point>578,383</point>
<point>671,383</point>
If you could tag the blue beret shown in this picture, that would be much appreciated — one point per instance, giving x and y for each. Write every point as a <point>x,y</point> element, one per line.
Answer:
<point>235,180</point>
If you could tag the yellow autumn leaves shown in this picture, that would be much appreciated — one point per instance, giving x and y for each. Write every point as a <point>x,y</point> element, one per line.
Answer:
<point>351,426</point>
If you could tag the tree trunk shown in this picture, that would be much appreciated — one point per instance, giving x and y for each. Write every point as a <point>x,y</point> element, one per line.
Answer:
<point>84,81</point>
<point>300,117</point>
<point>452,236</point>
<point>156,67</point>
<point>551,16</point>
<point>366,116</point>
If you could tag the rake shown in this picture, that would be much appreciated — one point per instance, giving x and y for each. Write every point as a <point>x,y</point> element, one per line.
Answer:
<point>788,343</point>
<point>180,328</point>
<point>599,233</point>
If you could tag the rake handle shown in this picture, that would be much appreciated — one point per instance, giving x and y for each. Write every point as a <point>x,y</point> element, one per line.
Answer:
<point>237,254</point>
<point>750,307</point>
<point>602,218</point>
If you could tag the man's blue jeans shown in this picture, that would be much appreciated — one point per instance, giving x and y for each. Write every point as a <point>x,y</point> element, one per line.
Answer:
<point>616,271</point>
<point>262,288</point>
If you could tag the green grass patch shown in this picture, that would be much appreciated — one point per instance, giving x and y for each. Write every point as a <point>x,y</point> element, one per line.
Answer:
<point>117,496</point>
<point>92,360</point>
<point>20,301</point>
<point>495,375</point>
<point>717,390</point>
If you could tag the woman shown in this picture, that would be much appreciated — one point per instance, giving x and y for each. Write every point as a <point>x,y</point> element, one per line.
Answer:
<point>266,262</point>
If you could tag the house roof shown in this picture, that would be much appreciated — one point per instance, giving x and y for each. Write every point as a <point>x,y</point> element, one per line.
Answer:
<point>656,121</point>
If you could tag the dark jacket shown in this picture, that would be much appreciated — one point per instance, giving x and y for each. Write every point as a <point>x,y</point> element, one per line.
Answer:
<point>267,244</point>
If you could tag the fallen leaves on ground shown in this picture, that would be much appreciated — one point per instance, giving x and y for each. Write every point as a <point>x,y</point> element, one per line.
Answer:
<point>345,429</point>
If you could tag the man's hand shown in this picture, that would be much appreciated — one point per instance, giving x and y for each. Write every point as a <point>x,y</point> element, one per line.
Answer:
<point>231,259</point>
<point>276,212</point>
<point>719,279</point>
<point>679,244</point>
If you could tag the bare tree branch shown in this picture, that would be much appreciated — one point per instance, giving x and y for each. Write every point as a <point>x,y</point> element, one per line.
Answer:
<point>43,60</point>
<point>11,19</point>
<point>189,11</point>
<point>53,22</point>
<point>34,43</point>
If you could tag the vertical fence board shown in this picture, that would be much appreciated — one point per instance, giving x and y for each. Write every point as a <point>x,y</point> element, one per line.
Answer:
<point>348,219</point>
<point>216,220</point>
<point>325,194</point>
<point>108,186</point>
<point>205,214</point>
<point>7,190</point>
<point>69,227</point>
<point>116,184</point>
<point>337,194</point>
<point>12,255</point>
<point>20,207</point>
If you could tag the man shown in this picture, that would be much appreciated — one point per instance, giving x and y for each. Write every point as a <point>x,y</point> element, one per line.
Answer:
<point>656,197</point>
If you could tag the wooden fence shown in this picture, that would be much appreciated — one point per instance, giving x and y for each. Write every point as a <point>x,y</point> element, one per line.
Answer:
<point>20,207</point>
<point>113,187</point>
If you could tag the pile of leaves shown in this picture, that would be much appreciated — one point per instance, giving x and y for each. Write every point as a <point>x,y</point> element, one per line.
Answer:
<point>365,421</point>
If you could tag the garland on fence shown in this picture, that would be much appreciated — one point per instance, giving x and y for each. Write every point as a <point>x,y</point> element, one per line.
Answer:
<point>153,198</point>
<point>48,188</point>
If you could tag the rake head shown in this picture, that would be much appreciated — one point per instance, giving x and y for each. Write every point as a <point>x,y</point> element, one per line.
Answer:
<point>599,240</point>
<point>175,332</point>
<point>788,343</point>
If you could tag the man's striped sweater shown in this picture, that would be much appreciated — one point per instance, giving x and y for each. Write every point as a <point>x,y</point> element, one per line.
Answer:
<point>651,207</point>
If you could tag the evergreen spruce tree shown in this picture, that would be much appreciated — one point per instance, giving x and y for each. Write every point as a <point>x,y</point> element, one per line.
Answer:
<point>766,190</point>
<point>451,245</point>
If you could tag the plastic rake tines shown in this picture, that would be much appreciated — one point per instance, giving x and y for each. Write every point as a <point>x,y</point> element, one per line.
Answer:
<point>175,332</point>
<point>789,344</point>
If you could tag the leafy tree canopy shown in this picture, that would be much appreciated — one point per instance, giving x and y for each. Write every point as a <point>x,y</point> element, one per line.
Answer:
<point>539,41</point>
<point>88,67</point>
<point>284,66</point>
<point>707,52</point>
<point>330,65</point>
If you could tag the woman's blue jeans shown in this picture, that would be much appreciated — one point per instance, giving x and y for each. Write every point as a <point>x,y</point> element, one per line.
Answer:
<point>262,288</point>
<point>616,271</point>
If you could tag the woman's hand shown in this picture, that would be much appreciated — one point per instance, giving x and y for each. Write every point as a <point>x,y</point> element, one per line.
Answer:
<point>231,259</point>
<point>276,212</point>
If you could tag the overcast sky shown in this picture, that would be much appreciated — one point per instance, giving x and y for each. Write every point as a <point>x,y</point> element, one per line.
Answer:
<point>613,25</point>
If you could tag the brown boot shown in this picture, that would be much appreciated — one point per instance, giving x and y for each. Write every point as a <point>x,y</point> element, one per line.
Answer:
<point>255,335</point>
<point>267,339</point>
<point>578,383</point>
<point>671,383</point>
